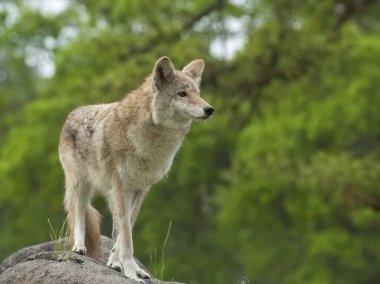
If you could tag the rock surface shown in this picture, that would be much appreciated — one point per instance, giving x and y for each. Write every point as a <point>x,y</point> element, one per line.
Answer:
<point>50,263</point>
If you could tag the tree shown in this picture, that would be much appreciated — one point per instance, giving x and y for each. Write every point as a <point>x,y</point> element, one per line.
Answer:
<point>279,186</point>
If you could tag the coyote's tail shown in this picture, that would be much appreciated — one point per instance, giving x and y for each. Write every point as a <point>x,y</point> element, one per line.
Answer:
<point>92,238</point>
<point>92,232</point>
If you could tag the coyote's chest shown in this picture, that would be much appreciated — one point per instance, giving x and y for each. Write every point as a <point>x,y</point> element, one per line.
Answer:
<point>152,155</point>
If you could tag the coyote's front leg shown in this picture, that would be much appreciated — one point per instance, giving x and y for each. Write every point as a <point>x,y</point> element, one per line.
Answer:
<point>115,259</point>
<point>123,248</point>
<point>137,201</point>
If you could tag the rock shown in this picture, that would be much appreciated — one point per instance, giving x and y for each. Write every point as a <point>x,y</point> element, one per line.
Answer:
<point>48,267</point>
<point>52,263</point>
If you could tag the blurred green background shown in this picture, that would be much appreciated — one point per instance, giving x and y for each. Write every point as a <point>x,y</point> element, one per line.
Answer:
<point>280,186</point>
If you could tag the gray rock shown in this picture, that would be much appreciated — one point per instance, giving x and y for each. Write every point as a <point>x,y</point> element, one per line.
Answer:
<point>49,268</point>
<point>43,263</point>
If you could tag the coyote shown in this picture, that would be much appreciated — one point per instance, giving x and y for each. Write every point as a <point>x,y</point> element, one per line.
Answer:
<point>121,149</point>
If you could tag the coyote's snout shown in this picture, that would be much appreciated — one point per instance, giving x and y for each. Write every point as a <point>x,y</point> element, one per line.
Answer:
<point>121,149</point>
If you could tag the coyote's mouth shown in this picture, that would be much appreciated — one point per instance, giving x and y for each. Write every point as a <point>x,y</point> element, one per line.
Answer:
<point>201,117</point>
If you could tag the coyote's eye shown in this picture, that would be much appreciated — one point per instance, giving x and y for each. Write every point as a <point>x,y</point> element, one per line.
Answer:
<point>182,94</point>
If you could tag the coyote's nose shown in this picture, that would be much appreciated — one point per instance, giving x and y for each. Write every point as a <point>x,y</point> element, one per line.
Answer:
<point>208,110</point>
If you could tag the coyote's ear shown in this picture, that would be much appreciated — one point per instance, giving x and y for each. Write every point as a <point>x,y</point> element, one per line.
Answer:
<point>195,69</point>
<point>163,72</point>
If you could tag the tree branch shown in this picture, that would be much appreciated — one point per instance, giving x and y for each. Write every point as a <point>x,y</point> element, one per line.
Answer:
<point>170,37</point>
<point>350,8</point>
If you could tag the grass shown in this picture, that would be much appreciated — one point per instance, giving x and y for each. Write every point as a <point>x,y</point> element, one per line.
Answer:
<point>58,237</point>
<point>243,280</point>
<point>159,269</point>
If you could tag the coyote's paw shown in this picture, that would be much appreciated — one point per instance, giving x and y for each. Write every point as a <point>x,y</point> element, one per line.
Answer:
<point>115,266</point>
<point>141,272</point>
<point>130,271</point>
<point>114,262</point>
<point>80,250</point>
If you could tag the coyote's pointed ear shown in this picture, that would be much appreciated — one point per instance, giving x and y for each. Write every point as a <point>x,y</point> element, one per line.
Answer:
<point>163,72</point>
<point>195,69</point>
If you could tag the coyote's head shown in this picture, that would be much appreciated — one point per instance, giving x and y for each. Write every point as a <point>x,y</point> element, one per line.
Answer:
<point>177,100</point>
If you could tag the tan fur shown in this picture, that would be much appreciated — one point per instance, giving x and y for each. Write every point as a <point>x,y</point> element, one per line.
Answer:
<point>122,149</point>
<point>92,237</point>
<point>92,240</point>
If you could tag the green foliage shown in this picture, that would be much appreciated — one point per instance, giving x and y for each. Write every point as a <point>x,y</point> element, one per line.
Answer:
<point>280,186</point>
